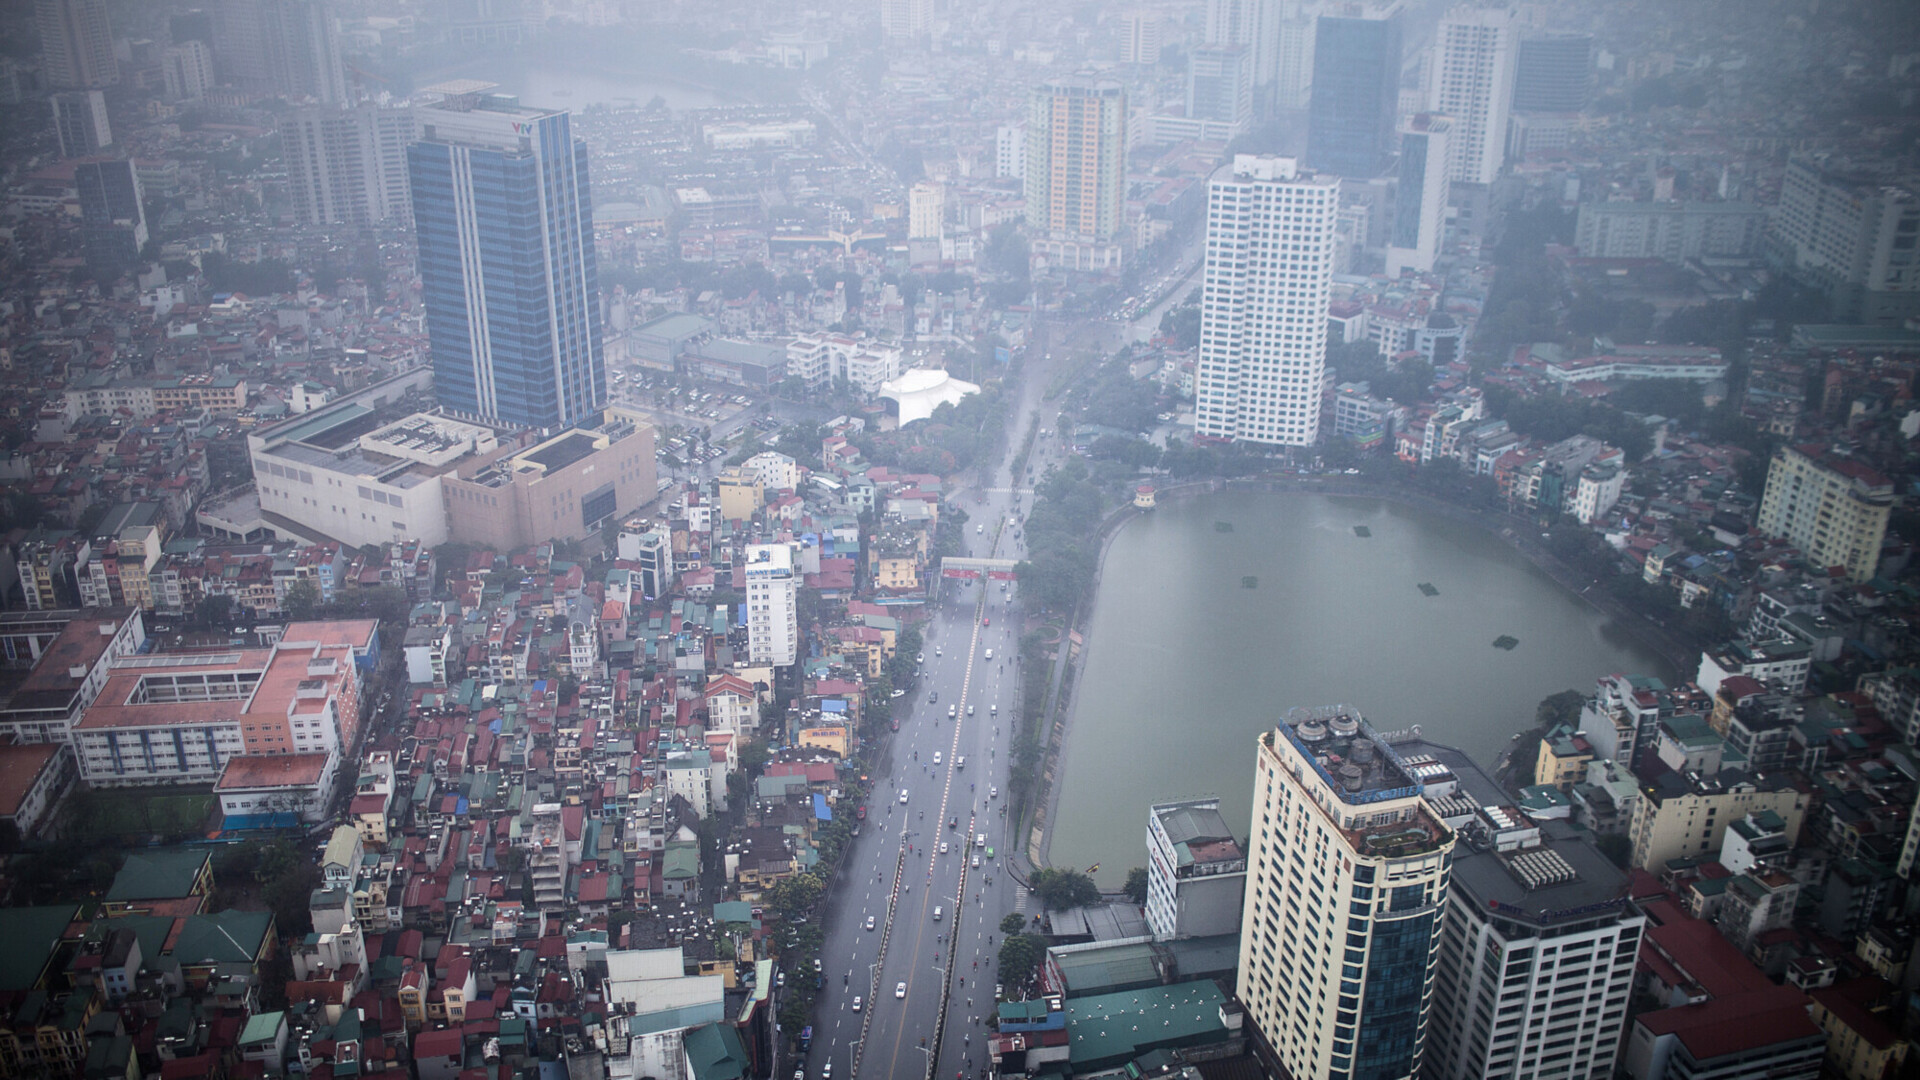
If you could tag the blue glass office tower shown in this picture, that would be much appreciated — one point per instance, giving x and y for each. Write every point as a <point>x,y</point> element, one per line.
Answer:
<point>1356,92</point>
<point>503,216</point>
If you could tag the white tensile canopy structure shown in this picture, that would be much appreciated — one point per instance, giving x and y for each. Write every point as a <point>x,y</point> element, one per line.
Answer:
<point>921,390</point>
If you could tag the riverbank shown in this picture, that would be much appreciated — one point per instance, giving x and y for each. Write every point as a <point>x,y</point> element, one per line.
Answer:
<point>1653,644</point>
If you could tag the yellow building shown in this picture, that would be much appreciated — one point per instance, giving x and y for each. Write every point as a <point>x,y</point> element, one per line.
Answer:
<point>1675,817</point>
<point>740,494</point>
<point>1563,758</point>
<point>1861,1045</point>
<point>838,739</point>
<point>1834,509</point>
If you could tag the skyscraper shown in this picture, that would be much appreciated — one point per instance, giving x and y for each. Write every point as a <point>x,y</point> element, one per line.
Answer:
<point>80,120</point>
<point>905,21</point>
<point>1473,83</point>
<point>1293,58</point>
<point>348,166</point>
<point>1263,321</point>
<point>1553,73</point>
<point>187,70</point>
<point>1220,84</point>
<point>772,615</point>
<point>113,222</point>
<point>1846,229</point>
<point>1076,167</point>
<point>1140,37</point>
<point>1538,946</point>
<point>503,215</point>
<point>1346,880</point>
<point>1256,25</point>
<point>1356,91</point>
<point>1010,151</point>
<point>285,47</point>
<point>76,44</point>
<point>1420,200</point>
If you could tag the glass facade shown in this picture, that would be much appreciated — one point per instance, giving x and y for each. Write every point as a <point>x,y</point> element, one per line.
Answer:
<point>1413,181</point>
<point>1397,967</point>
<point>1356,95</point>
<point>508,274</point>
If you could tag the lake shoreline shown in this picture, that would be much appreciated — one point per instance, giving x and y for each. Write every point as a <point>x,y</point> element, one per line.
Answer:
<point>1504,528</point>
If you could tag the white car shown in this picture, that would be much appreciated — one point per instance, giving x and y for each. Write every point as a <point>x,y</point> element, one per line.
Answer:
<point>856,1003</point>
<point>936,757</point>
<point>993,793</point>
<point>899,990</point>
<point>903,794</point>
<point>943,847</point>
<point>989,654</point>
<point>869,922</point>
<point>976,862</point>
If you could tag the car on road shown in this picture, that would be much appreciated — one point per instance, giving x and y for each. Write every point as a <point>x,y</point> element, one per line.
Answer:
<point>903,794</point>
<point>856,1007</point>
<point>976,862</point>
<point>994,709</point>
<point>936,757</point>
<point>953,823</point>
<point>989,654</point>
<point>943,847</point>
<point>933,698</point>
<point>999,991</point>
<point>869,922</point>
<point>816,964</point>
<point>899,990</point>
<point>969,710</point>
<point>993,793</point>
<point>953,711</point>
<point>979,529</point>
<point>861,813</point>
<point>986,621</point>
<point>923,658</point>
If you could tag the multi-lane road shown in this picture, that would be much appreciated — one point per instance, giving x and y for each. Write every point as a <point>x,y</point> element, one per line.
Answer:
<point>936,915</point>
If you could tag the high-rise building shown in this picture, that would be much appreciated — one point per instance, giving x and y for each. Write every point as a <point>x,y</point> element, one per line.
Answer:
<point>1356,91</point>
<point>1254,24</point>
<point>1473,83</point>
<point>1263,320</point>
<point>1346,881</point>
<point>186,69</point>
<point>773,628</point>
<point>906,21</point>
<point>348,166</point>
<point>503,214</point>
<point>1293,58</point>
<point>1848,231</point>
<point>194,25</point>
<point>1140,37</point>
<point>1553,73</point>
<point>926,210</point>
<point>80,119</point>
<point>1538,945</point>
<point>1196,871</point>
<point>1076,169</point>
<point>1220,84</point>
<point>1834,509</point>
<point>113,222</point>
<point>1010,151</point>
<point>285,47</point>
<point>1420,201</point>
<point>76,44</point>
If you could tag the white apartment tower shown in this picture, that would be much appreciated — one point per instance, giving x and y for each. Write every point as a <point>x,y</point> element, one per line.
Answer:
<point>1474,50</point>
<point>1293,57</point>
<point>927,210</point>
<point>1263,321</point>
<point>1010,152</point>
<point>348,166</point>
<point>1140,37</point>
<point>903,21</point>
<point>773,635</point>
<point>1346,881</point>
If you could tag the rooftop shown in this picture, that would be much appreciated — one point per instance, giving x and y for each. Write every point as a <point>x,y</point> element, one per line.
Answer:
<point>1108,1030</point>
<point>78,647</point>
<point>1351,759</point>
<point>20,768</point>
<point>253,771</point>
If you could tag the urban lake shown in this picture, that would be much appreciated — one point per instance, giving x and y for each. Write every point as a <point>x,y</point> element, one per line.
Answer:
<point>1216,614</point>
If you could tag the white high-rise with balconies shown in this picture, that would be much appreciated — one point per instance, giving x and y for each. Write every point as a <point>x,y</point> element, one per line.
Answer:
<point>1263,320</point>
<point>1474,49</point>
<point>773,633</point>
<point>1346,881</point>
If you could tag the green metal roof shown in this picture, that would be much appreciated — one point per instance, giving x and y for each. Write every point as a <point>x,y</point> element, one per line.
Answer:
<point>1109,1030</point>
<point>160,874</point>
<point>31,934</point>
